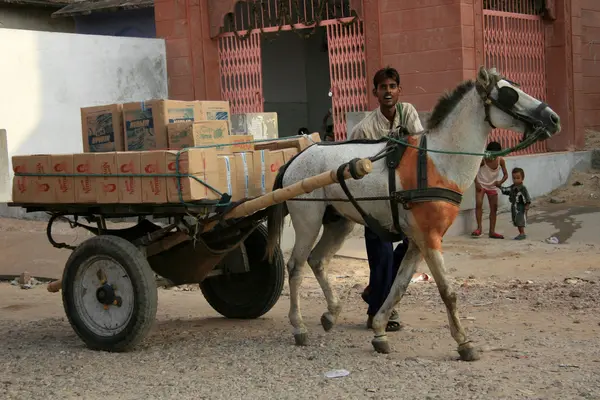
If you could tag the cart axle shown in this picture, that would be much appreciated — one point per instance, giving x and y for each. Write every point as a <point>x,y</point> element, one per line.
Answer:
<point>106,295</point>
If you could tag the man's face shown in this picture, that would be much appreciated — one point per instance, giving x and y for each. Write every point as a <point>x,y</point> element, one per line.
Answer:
<point>387,93</point>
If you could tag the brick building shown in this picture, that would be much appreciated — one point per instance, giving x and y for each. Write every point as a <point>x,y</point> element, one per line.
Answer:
<point>549,46</point>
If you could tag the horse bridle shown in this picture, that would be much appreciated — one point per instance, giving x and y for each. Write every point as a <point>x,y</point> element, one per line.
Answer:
<point>506,100</point>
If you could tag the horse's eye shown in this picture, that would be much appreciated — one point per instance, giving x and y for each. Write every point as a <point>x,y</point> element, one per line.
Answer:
<point>507,96</point>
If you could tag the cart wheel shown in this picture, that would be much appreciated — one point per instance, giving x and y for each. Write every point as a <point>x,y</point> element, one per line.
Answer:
<point>251,294</point>
<point>109,293</point>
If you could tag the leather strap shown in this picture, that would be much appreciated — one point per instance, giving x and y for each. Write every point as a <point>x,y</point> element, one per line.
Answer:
<point>371,222</point>
<point>392,162</point>
<point>423,193</point>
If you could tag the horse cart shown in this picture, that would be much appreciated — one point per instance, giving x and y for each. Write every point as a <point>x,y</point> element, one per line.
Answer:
<point>109,284</point>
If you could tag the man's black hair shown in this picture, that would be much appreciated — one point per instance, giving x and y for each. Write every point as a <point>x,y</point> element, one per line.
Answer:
<point>494,146</point>
<point>386,73</point>
<point>518,170</point>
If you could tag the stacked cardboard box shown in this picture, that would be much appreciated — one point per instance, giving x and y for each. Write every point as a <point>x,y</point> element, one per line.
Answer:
<point>154,140</point>
<point>142,125</point>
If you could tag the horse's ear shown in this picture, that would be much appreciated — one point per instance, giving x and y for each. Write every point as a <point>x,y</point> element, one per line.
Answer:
<point>483,76</point>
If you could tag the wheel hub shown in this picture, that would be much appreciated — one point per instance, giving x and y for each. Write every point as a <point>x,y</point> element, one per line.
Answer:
<point>105,294</point>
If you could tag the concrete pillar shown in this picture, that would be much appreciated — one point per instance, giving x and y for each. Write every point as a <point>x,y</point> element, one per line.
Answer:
<point>192,57</point>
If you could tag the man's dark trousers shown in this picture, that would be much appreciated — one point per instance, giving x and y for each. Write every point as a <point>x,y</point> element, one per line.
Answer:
<point>384,262</point>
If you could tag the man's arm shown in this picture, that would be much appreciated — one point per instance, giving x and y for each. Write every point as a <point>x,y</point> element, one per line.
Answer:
<point>360,130</point>
<point>413,123</point>
<point>357,133</point>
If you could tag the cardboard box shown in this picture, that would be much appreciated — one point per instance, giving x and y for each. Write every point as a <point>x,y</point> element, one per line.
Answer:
<point>299,143</point>
<point>277,159</point>
<point>201,163</point>
<point>288,154</point>
<point>192,134</point>
<point>244,174</point>
<point>146,122</point>
<point>129,188</point>
<point>241,143</point>
<point>212,110</point>
<point>183,135</point>
<point>154,188</point>
<point>258,125</point>
<point>106,187</point>
<point>261,164</point>
<point>85,186</point>
<point>32,189</point>
<point>233,144</point>
<point>266,166</point>
<point>102,128</point>
<point>64,186</point>
<point>226,175</point>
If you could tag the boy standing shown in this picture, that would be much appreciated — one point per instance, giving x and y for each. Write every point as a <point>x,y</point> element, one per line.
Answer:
<point>487,183</point>
<point>519,201</point>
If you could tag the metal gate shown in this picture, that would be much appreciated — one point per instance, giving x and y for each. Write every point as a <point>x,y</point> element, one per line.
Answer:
<point>347,72</point>
<point>241,72</point>
<point>514,44</point>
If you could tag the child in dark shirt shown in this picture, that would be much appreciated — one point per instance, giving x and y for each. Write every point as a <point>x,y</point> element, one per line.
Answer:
<point>519,201</point>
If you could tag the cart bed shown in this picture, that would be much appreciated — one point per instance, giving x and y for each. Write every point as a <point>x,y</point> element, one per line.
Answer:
<point>118,210</point>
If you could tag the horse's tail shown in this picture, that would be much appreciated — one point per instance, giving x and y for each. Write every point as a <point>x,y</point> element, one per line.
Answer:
<point>275,217</point>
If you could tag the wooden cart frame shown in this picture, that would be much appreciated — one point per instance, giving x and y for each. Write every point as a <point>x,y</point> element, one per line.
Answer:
<point>109,284</point>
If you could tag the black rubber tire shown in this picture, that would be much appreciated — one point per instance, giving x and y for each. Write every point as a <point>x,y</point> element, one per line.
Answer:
<point>142,281</point>
<point>252,294</point>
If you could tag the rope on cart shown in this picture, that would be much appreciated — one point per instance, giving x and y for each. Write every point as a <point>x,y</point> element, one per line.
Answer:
<point>225,202</point>
<point>225,198</point>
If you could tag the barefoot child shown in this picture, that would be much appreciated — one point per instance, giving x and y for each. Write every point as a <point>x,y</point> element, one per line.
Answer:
<point>519,201</point>
<point>487,183</point>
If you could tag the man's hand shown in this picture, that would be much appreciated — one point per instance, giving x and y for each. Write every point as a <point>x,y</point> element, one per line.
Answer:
<point>498,183</point>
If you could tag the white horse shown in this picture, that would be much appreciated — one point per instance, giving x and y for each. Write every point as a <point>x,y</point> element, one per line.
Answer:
<point>459,123</point>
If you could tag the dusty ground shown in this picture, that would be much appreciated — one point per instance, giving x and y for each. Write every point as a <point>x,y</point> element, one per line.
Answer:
<point>582,186</point>
<point>532,307</point>
<point>592,139</point>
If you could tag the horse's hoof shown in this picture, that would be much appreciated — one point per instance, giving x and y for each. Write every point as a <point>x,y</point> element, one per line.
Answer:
<point>468,353</point>
<point>301,338</point>
<point>327,321</point>
<point>381,345</point>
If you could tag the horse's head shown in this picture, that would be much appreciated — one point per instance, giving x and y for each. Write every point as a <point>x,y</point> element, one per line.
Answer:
<point>508,107</point>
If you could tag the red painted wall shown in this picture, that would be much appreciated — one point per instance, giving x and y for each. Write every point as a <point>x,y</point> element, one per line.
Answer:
<point>435,44</point>
<point>431,43</point>
<point>590,54</point>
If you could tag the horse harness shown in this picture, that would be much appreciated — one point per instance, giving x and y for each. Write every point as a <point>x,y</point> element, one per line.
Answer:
<point>506,99</point>
<point>393,153</point>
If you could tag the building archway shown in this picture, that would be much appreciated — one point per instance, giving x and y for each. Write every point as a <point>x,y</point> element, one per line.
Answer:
<point>245,26</point>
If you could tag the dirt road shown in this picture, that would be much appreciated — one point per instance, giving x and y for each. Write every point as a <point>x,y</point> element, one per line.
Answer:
<point>532,307</point>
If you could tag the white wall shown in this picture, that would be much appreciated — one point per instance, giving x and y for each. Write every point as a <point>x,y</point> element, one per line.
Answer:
<point>47,77</point>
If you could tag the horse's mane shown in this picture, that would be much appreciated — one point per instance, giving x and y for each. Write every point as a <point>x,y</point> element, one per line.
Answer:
<point>447,102</point>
